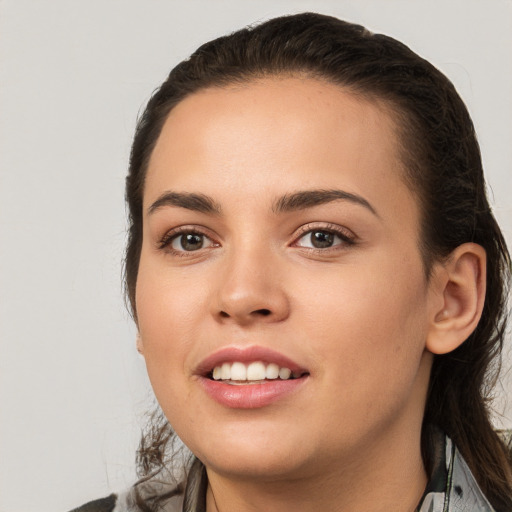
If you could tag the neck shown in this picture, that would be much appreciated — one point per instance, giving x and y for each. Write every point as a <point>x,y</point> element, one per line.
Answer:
<point>383,476</point>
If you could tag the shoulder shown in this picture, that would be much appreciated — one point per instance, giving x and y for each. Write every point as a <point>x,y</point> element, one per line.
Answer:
<point>107,504</point>
<point>127,501</point>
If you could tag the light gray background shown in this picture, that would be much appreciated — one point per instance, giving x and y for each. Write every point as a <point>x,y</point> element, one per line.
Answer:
<point>73,76</point>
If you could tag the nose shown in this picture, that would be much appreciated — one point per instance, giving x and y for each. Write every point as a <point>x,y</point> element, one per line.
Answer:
<point>250,290</point>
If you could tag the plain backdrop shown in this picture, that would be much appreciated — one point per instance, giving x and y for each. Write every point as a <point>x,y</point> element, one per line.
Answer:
<point>73,77</point>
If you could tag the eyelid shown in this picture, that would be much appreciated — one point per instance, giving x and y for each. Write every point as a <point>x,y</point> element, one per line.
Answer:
<point>164,242</point>
<point>348,237</point>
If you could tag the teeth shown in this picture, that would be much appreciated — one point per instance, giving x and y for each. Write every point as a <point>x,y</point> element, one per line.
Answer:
<point>255,371</point>
<point>225,371</point>
<point>284,373</point>
<point>272,371</point>
<point>238,371</point>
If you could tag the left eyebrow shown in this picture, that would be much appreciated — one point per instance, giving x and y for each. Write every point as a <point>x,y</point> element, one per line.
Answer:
<point>309,198</point>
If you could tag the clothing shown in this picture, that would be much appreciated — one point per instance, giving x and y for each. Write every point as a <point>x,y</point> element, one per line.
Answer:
<point>451,488</point>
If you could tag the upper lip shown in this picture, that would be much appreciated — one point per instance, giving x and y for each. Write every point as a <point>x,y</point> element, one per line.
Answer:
<point>247,355</point>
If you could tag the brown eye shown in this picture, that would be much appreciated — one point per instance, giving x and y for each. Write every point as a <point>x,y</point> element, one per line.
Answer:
<point>190,242</point>
<point>322,239</point>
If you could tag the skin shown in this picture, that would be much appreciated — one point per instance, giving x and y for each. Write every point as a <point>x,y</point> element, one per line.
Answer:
<point>358,315</point>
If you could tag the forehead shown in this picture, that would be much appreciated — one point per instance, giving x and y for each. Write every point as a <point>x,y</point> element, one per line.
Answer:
<point>274,134</point>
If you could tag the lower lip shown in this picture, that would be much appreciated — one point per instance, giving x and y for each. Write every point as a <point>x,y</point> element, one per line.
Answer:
<point>250,396</point>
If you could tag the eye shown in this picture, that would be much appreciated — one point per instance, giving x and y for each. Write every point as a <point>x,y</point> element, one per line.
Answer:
<point>323,239</point>
<point>189,241</point>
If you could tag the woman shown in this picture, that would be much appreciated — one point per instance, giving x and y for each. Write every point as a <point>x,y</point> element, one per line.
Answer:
<point>317,279</point>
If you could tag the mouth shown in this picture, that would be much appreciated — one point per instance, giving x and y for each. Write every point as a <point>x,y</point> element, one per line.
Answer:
<point>250,377</point>
<point>257,372</point>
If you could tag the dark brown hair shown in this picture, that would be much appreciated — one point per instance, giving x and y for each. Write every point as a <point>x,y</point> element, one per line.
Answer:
<point>443,166</point>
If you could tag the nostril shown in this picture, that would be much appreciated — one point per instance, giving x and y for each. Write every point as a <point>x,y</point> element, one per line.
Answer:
<point>248,316</point>
<point>263,312</point>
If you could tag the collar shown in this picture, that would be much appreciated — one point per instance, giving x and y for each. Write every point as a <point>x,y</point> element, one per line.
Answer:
<point>452,487</point>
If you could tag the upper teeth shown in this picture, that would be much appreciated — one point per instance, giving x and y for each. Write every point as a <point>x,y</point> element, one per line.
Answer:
<point>254,371</point>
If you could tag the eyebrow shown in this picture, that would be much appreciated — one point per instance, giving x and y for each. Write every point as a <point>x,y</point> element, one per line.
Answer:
<point>190,201</point>
<point>309,198</point>
<point>300,200</point>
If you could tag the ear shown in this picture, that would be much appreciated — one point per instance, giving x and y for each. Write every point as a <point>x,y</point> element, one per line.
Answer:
<point>140,346</point>
<point>460,289</point>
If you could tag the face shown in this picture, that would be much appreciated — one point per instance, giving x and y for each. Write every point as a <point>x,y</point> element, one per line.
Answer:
<point>281,296</point>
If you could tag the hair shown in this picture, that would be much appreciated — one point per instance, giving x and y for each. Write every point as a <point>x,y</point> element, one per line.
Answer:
<point>442,165</point>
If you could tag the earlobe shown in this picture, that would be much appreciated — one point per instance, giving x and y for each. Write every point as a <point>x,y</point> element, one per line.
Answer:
<point>140,347</point>
<point>462,288</point>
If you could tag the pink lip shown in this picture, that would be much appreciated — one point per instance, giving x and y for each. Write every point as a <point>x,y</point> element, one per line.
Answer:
<point>249,396</point>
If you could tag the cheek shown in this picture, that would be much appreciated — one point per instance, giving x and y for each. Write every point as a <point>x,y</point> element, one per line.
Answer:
<point>170,312</point>
<point>367,336</point>
<point>368,321</point>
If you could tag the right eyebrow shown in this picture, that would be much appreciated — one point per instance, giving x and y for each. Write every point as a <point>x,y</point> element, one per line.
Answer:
<point>196,202</point>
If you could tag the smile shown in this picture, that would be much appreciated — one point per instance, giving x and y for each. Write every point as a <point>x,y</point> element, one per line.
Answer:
<point>238,373</point>
<point>250,377</point>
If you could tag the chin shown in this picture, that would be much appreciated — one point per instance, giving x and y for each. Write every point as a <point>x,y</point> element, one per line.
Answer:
<point>256,466</point>
<point>282,455</point>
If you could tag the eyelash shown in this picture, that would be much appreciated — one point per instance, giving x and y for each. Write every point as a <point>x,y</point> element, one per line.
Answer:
<point>347,238</point>
<point>166,241</point>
